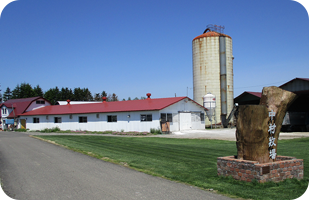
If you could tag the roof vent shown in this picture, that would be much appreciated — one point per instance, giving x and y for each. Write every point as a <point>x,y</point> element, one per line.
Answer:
<point>148,95</point>
<point>68,101</point>
<point>104,99</point>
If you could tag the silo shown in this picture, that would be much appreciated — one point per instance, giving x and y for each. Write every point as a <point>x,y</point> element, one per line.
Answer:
<point>213,70</point>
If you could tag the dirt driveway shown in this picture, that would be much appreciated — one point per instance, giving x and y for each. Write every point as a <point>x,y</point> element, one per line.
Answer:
<point>224,134</point>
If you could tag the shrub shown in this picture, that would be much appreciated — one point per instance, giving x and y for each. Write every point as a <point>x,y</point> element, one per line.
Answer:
<point>50,130</point>
<point>155,131</point>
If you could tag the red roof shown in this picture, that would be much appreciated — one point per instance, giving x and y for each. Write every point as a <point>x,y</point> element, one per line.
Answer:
<point>211,34</point>
<point>19,105</point>
<point>108,107</point>
<point>258,94</point>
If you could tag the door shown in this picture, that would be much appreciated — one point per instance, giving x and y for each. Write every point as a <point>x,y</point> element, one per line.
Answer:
<point>23,123</point>
<point>184,121</point>
<point>165,127</point>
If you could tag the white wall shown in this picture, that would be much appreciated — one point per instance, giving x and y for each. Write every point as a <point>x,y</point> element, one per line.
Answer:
<point>8,111</point>
<point>184,106</point>
<point>34,106</point>
<point>132,123</point>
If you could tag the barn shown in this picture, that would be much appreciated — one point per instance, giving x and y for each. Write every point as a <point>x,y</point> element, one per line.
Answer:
<point>297,116</point>
<point>168,114</point>
<point>13,108</point>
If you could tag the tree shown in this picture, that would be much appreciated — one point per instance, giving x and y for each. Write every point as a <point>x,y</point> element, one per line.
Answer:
<point>87,95</point>
<point>7,94</point>
<point>103,94</point>
<point>97,97</point>
<point>109,97</point>
<point>82,94</point>
<point>38,91</point>
<point>65,94</point>
<point>78,96</point>
<point>129,98</point>
<point>16,92</point>
<point>26,90</point>
<point>23,91</point>
<point>52,95</point>
<point>112,97</point>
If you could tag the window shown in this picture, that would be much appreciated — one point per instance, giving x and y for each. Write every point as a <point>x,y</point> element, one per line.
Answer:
<point>4,111</point>
<point>36,120</point>
<point>98,115</point>
<point>166,117</point>
<point>146,118</point>
<point>111,118</point>
<point>57,120</point>
<point>71,116</point>
<point>82,119</point>
<point>202,117</point>
<point>40,102</point>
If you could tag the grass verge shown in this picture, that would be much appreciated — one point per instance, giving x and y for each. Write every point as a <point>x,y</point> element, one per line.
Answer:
<point>192,161</point>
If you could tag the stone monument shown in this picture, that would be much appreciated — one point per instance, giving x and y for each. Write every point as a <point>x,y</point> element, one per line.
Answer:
<point>257,134</point>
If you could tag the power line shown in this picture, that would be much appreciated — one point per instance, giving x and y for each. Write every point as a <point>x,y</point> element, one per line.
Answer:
<point>261,85</point>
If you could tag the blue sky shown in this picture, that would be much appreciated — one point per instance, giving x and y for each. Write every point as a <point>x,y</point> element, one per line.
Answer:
<point>134,47</point>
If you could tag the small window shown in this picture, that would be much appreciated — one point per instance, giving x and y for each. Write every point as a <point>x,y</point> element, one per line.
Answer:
<point>57,120</point>
<point>98,115</point>
<point>202,117</point>
<point>36,120</point>
<point>111,118</point>
<point>40,102</point>
<point>166,117</point>
<point>82,119</point>
<point>146,118</point>
<point>71,116</point>
<point>4,111</point>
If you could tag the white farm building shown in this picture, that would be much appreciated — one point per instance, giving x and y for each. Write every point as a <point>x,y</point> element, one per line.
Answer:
<point>169,114</point>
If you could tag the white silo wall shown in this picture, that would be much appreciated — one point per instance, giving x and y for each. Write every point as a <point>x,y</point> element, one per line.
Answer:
<point>206,71</point>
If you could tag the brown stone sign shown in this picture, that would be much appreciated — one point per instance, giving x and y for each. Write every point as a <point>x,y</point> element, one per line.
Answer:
<point>257,133</point>
<point>258,126</point>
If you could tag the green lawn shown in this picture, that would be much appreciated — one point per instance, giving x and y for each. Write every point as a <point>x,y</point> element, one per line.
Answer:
<point>192,161</point>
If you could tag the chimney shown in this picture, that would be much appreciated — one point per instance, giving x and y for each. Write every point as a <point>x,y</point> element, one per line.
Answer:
<point>148,95</point>
<point>104,99</point>
<point>68,101</point>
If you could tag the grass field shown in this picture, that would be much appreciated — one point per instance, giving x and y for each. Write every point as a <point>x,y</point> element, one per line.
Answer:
<point>192,161</point>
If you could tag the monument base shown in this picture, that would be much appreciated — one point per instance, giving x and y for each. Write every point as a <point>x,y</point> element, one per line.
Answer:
<point>246,170</point>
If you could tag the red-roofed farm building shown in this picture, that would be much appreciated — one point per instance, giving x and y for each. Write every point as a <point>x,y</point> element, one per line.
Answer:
<point>169,114</point>
<point>13,108</point>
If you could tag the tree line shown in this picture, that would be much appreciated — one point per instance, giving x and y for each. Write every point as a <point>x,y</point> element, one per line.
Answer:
<point>25,90</point>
